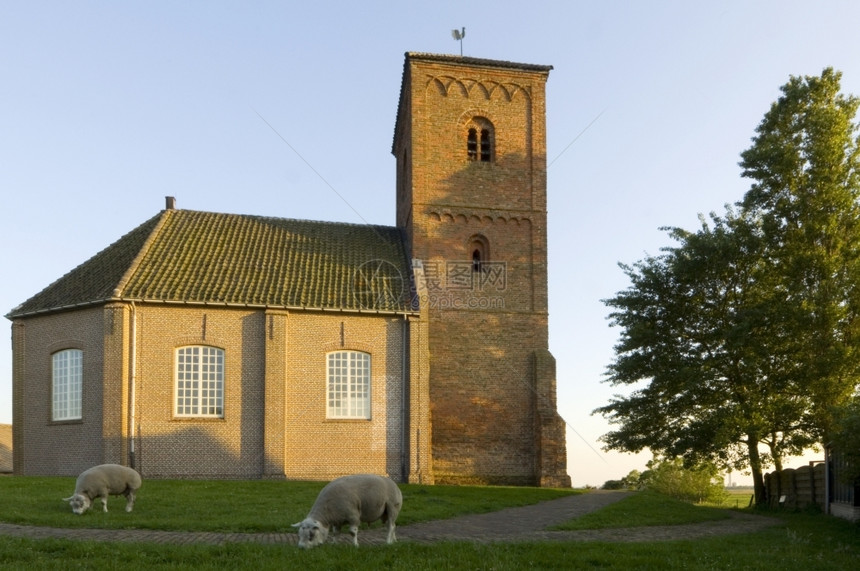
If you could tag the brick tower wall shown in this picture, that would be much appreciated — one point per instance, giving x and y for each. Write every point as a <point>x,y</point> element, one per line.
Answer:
<point>487,321</point>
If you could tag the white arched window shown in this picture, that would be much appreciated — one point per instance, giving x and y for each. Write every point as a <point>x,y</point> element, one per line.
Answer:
<point>67,380</point>
<point>348,384</point>
<point>199,381</point>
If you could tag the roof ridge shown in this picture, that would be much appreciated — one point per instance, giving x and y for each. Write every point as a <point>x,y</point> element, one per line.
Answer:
<point>135,263</point>
<point>289,219</point>
<point>470,60</point>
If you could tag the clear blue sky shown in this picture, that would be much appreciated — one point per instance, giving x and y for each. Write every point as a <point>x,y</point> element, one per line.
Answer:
<point>108,107</point>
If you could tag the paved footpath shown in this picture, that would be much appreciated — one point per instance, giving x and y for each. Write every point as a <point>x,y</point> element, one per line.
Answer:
<point>526,523</point>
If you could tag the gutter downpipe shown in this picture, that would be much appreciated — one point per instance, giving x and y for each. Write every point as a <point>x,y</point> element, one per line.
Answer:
<point>131,396</point>
<point>827,480</point>
<point>404,403</point>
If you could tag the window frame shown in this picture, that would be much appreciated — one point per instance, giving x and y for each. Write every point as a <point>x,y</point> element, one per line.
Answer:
<point>348,398</point>
<point>201,398</point>
<point>67,384</point>
<point>480,140</point>
<point>479,247</point>
<point>472,144</point>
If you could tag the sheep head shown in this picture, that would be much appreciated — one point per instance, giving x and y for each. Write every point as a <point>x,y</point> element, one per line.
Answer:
<point>79,502</point>
<point>311,533</point>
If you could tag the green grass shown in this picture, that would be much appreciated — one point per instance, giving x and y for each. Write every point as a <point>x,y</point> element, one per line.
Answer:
<point>801,541</point>
<point>737,498</point>
<point>644,509</point>
<point>250,506</point>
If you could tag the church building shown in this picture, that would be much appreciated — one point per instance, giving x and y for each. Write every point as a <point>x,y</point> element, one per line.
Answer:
<point>212,345</point>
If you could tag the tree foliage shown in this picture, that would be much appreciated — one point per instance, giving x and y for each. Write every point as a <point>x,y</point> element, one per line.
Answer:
<point>699,323</point>
<point>845,438</point>
<point>612,485</point>
<point>805,164</point>
<point>739,340</point>
<point>700,483</point>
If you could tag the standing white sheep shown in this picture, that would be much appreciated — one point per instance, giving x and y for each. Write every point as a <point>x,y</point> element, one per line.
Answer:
<point>101,481</point>
<point>351,500</point>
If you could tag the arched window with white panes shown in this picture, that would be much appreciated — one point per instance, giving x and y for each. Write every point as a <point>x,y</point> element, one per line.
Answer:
<point>66,384</point>
<point>348,375</point>
<point>199,382</point>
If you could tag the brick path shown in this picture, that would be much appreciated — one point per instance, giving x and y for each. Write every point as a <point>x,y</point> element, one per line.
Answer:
<point>526,523</point>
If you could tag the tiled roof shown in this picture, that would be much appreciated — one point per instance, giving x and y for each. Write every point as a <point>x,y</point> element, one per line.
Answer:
<point>191,257</point>
<point>474,61</point>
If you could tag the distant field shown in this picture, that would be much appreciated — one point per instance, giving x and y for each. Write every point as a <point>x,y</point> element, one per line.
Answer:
<point>737,497</point>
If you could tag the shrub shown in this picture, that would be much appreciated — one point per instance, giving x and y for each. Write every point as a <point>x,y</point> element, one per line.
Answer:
<point>700,483</point>
<point>613,485</point>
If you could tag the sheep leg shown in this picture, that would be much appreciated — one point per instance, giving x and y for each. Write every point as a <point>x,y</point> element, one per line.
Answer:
<point>389,523</point>
<point>129,501</point>
<point>353,530</point>
<point>104,503</point>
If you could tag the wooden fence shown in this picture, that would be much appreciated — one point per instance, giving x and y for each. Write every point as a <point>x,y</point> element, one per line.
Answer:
<point>797,487</point>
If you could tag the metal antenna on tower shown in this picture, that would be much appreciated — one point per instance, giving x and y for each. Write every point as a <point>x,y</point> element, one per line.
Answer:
<point>459,35</point>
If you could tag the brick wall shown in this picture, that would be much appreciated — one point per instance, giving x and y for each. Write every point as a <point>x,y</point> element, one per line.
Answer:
<point>274,423</point>
<point>485,326</point>
<point>5,448</point>
<point>321,448</point>
<point>41,446</point>
<point>170,446</point>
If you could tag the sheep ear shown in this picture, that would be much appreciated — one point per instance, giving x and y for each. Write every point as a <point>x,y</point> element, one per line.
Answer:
<point>297,524</point>
<point>68,499</point>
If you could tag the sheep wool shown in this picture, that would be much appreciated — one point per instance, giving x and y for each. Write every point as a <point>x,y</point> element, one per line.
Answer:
<point>351,500</point>
<point>102,481</point>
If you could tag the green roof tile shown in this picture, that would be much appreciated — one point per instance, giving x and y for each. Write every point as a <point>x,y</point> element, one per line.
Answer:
<point>185,256</point>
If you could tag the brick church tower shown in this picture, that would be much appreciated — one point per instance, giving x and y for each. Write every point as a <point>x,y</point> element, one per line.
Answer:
<point>470,145</point>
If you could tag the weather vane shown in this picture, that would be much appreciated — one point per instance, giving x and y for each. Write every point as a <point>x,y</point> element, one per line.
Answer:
<point>459,35</point>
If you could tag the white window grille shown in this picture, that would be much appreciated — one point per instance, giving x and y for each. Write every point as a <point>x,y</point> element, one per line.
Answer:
<point>348,385</point>
<point>67,376</point>
<point>199,381</point>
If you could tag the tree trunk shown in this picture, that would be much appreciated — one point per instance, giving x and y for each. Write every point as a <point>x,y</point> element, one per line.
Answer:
<point>755,468</point>
<point>776,453</point>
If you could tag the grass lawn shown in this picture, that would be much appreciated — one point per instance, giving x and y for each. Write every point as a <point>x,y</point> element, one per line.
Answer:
<point>801,541</point>
<point>246,506</point>
<point>738,497</point>
<point>644,509</point>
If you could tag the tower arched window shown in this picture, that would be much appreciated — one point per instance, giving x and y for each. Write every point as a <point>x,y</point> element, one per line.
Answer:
<point>479,141</point>
<point>480,252</point>
<point>472,144</point>
<point>485,145</point>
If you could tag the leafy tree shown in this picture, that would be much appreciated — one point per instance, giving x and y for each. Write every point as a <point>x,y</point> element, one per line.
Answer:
<point>805,167</point>
<point>845,438</point>
<point>701,483</point>
<point>744,335</point>
<point>631,480</point>
<point>628,482</point>
<point>612,485</point>
<point>699,324</point>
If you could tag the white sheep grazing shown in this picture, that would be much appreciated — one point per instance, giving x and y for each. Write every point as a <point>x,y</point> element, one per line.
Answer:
<point>351,500</point>
<point>101,481</point>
